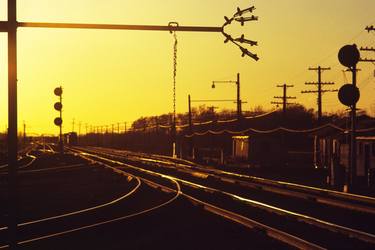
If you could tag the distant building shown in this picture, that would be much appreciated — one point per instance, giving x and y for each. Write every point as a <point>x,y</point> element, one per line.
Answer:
<point>71,138</point>
<point>258,141</point>
<point>332,152</point>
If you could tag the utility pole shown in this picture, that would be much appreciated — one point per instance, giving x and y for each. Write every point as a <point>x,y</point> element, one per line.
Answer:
<point>319,91</point>
<point>368,49</point>
<point>239,104</point>
<point>284,98</point>
<point>191,143</point>
<point>284,102</point>
<point>24,132</point>
<point>73,124</point>
<point>190,115</point>
<point>79,128</point>
<point>238,99</point>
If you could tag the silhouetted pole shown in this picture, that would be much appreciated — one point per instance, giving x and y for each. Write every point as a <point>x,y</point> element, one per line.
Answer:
<point>349,94</point>
<point>239,104</point>
<point>284,98</point>
<point>190,118</point>
<point>73,122</point>
<point>284,102</point>
<point>61,141</point>
<point>320,90</point>
<point>353,141</point>
<point>24,132</point>
<point>191,146</point>
<point>12,122</point>
<point>238,94</point>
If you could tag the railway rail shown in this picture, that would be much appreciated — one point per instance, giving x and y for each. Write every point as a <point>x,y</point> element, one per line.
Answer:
<point>197,183</point>
<point>211,190</point>
<point>30,232</point>
<point>349,201</point>
<point>26,161</point>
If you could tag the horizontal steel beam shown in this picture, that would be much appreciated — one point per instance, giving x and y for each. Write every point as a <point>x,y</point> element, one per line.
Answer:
<point>117,27</point>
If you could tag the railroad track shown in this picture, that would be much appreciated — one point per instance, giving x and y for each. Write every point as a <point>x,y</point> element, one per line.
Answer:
<point>24,161</point>
<point>33,232</point>
<point>333,198</point>
<point>208,185</point>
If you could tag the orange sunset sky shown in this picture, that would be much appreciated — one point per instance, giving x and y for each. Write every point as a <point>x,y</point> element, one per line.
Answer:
<point>119,76</point>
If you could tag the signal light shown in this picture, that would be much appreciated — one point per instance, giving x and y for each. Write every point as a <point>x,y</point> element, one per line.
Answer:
<point>58,91</point>
<point>58,121</point>
<point>58,106</point>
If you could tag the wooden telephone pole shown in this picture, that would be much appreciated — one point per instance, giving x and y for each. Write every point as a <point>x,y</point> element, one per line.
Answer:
<point>284,97</point>
<point>320,89</point>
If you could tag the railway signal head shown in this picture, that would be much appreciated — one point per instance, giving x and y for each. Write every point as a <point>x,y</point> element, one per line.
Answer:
<point>349,94</point>
<point>58,121</point>
<point>349,55</point>
<point>58,91</point>
<point>58,106</point>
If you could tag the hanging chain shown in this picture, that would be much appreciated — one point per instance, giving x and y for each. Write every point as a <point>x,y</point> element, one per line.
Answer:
<point>174,76</point>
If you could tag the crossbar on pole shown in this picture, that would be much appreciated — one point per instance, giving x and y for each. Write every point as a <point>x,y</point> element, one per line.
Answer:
<point>118,27</point>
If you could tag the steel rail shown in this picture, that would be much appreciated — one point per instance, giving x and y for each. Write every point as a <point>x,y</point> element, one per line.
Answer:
<point>68,167</point>
<point>249,223</point>
<point>319,195</point>
<point>33,158</point>
<point>352,233</point>
<point>123,173</point>
<point>364,236</point>
<point>271,232</point>
<point>81,211</point>
<point>103,222</point>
